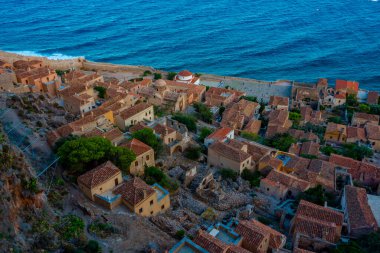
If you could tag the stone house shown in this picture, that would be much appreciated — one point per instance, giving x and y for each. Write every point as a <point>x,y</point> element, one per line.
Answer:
<point>99,180</point>
<point>143,199</point>
<point>133,115</point>
<point>317,221</point>
<point>222,97</point>
<point>278,103</point>
<point>144,156</point>
<point>232,155</point>
<point>360,119</point>
<point>357,212</point>
<point>336,132</point>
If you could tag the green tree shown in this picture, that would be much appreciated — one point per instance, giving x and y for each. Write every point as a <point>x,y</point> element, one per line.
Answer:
<point>122,157</point>
<point>203,112</point>
<point>157,76</point>
<point>189,121</point>
<point>317,196</point>
<point>250,136</point>
<point>155,175</point>
<point>357,152</point>
<point>351,100</point>
<point>253,177</point>
<point>147,73</point>
<point>228,174</point>
<point>280,141</point>
<point>171,75</point>
<point>92,247</point>
<point>204,132</point>
<point>70,227</point>
<point>328,150</point>
<point>80,153</point>
<point>295,117</point>
<point>193,153</point>
<point>364,108</point>
<point>249,98</point>
<point>147,136</point>
<point>335,119</point>
<point>101,91</point>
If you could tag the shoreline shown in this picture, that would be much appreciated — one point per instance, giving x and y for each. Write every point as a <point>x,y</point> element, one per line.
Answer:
<point>239,83</point>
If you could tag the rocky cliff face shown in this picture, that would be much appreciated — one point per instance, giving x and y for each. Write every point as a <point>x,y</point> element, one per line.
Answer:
<point>22,203</point>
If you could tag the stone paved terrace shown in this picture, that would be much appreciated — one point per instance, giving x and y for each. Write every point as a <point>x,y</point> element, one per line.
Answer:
<point>262,90</point>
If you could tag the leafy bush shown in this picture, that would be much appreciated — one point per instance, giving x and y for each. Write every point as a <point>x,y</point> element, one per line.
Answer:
<point>101,229</point>
<point>83,153</point>
<point>336,119</point>
<point>92,247</point>
<point>203,112</point>
<point>171,75</point>
<point>253,177</point>
<point>157,76</point>
<point>317,196</point>
<point>155,175</point>
<point>228,174</point>
<point>249,98</point>
<point>204,133</point>
<point>147,73</point>
<point>264,220</point>
<point>30,185</point>
<point>180,234</point>
<point>70,227</point>
<point>101,91</point>
<point>189,121</point>
<point>193,153</point>
<point>250,136</point>
<point>147,136</point>
<point>280,141</point>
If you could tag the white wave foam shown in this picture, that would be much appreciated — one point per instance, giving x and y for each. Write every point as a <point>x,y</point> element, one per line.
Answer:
<point>54,56</point>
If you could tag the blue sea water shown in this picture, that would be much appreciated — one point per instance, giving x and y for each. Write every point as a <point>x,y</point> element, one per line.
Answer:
<point>263,39</point>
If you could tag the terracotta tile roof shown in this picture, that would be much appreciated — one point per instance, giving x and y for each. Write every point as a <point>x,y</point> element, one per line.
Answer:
<point>131,111</point>
<point>356,133</point>
<point>360,215</point>
<point>366,116</point>
<point>137,127</point>
<point>163,130</point>
<point>347,85</point>
<point>373,97</point>
<point>333,127</point>
<point>372,131</point>
<point>288,180</point>
<point>277,100</point>
<point>134,191</point>
<point>250,229</point>
<point>221,91</point>
<point>315,228</point>
<point>253,126</point>
<point>229,152</point>
<point>298,250</point>
<point>345,162</point>
<point>236,249</point>
<point>297,162</point>
<point>340,95</point>
<point>137,146</point>
<point>271,161</point>
<point>320,213</point>
<point>185,73</point>
<point>252,238</point>
<point>220,134</point>
<point>99,175</point>
<point>310,148</point>
<point>257,150</point>
<point>210,243</point>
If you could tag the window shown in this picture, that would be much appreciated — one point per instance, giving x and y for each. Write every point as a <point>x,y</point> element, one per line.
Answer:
<point>151,212</point>
<point>141,210</point>
<point>101,188</point>
<point>116,181</point>
<point>162,207</point>
<point>151,202</point>
<point>137,163</point>
<point>268,189</point>
<point>147,157</point>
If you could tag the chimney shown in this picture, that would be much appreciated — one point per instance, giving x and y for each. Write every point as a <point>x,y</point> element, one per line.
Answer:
<point>145,194</point>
